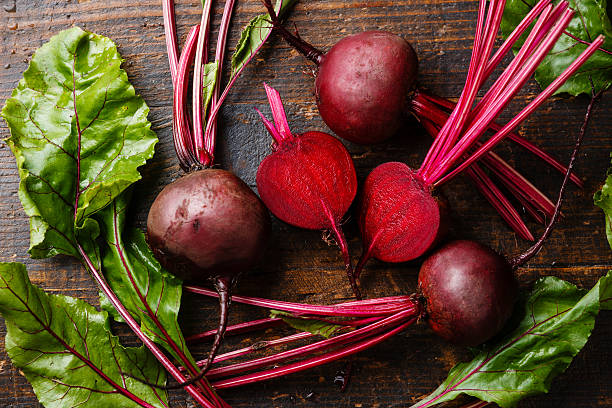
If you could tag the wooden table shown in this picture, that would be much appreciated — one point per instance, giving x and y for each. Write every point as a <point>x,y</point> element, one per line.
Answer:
<point>299,265</point>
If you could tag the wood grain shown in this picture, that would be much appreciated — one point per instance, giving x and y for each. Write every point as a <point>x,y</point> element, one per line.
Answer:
<point>299,265</point>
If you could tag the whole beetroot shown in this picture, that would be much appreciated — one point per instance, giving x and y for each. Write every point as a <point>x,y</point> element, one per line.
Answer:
<point>207,224</point>
<point>470,292</point>
<point>373,110</point>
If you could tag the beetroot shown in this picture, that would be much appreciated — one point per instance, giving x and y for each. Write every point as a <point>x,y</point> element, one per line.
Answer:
<point>399,218</point>
<point>206,225</point>
<point>470,291</point>
<point>360,101</point>
<point>309,180</point>
<point>365,88</point>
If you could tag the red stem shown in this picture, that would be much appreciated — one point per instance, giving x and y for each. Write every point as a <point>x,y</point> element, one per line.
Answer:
<point>531,252</point>
<point>210,135</point>
<point>352,309</point>
<point>278,112</point>
<point>260,345</point>
<point>133,324</point>
<point>312,362</point>
<point>518,119</point>
<point>337,341</point>
<point>238,329</point>
<point>170,34</point>
<point>490,191</point>
<point>490,112</point>
<point>515,137</point>
<point>197,108</point>
<point>153,316</point>
<point>181,135</point>
<point>214,110</point>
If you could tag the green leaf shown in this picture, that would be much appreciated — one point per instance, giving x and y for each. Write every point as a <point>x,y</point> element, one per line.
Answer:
<point>210,75</point>
<point>313,326</point>
<point>79,132</point>
<point>65,349</point>
<point>603,199</point>
<point>590,20</point>
<point>551,325</point>
<point>254,35</point>
<point>151,295</point>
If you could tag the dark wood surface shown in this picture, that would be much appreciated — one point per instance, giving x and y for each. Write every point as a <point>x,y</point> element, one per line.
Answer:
<point>299,265</point>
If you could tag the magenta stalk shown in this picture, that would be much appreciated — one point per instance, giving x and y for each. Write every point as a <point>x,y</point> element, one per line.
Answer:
<point>337,341</point>
<point>354,309</point>
<point>201,59</point>
<point>133,324</point>
<point>309,363</point>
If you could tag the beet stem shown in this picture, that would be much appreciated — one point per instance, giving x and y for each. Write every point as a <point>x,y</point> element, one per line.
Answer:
<point>450,144</point>
<point>488,189</point>
<point>531,252</point>
<point>347,258</point>
<point>131,322</point>
<point>239,328</point>
<point>514,36</point>
<point>306,49</point>
<point>312,362</point>
<point>181,134</point>
<point>210,135</point>
<point>278,112</point>
<point>223,286</point>
<point>272,343</point>
<point>494,108</point>
<point>278,138</point>
<point>170,34</point>
<point>365,257</point>
<point>518,119</point>
<point>522,189</point>
<point>483,45</point>
<point>214,110</point>
<point>200,60</point>
<point>260,345</point>
<point>517,183</point>
<point>499,201</point>
<point>421,97</point>
<point>363,308</point>
<point>309,349</point>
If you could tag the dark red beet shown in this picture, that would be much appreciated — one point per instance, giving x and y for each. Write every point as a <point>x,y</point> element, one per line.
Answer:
<point>399,218</point>
<point>207,224</point>
<point>309,180</point>
<point>363,85</point>
<point>470,292</point>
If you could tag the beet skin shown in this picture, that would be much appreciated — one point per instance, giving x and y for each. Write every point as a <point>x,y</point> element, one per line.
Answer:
<point>470,292</point>
<point>207,224</point>
<point>363,85</point>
